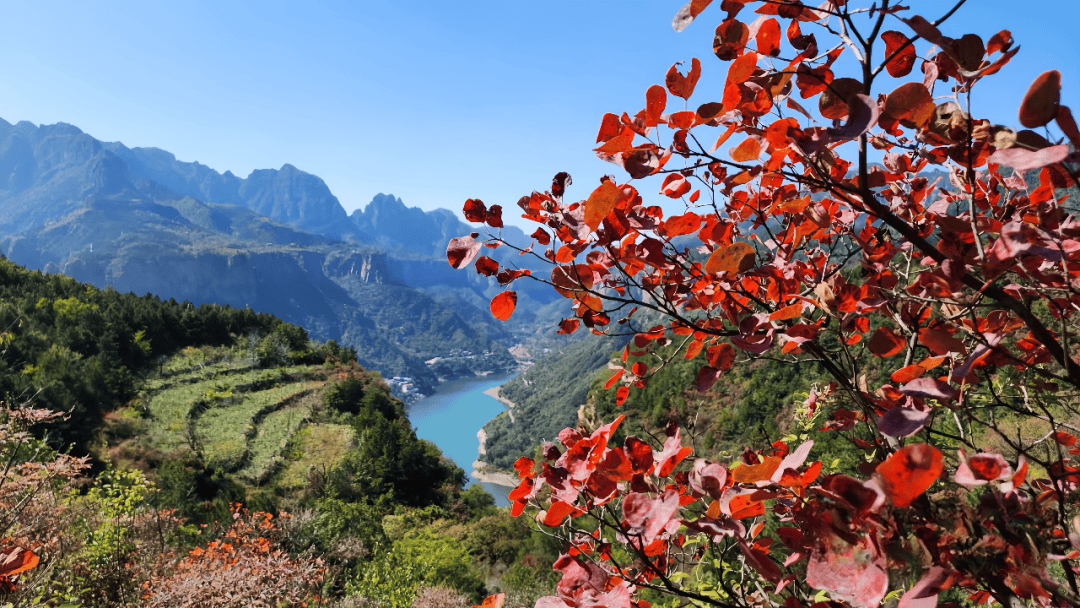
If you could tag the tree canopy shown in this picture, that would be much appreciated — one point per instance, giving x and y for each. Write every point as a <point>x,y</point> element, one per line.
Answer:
<point>952,265</point>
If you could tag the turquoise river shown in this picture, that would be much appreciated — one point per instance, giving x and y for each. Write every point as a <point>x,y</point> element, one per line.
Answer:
<point>451,417</point>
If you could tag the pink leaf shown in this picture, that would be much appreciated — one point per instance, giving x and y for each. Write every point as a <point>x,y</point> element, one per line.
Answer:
<point>461,250</point>
<point>1022,159</point>
<point>981,469</point>
<point>579,579</point>
<point>793,460</point>
<point>649,516</point>
<point>708,478</point>
<point>930,387</point>
<point>902,421</point>
<point>852,573</point>
<point>925,592</point>
<point>550,601</point>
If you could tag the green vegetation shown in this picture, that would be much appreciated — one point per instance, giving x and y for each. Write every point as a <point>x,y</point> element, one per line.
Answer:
<point>187,412</point>
<point>546,399</point>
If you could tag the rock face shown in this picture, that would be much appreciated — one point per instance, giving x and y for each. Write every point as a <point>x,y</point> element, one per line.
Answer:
<point>388,222</point>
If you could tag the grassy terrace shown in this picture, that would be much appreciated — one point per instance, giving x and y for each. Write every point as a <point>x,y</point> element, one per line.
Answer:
<point>238,416</point>
<point>316,446</point>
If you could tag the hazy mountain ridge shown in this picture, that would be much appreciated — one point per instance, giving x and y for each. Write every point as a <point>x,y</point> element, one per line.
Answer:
<point>142,221</point>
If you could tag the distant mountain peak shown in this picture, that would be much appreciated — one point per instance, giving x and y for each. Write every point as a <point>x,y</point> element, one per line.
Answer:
<point>48,171</point>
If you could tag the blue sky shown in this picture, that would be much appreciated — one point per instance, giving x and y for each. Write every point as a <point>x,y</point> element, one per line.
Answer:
<point>434,102</point>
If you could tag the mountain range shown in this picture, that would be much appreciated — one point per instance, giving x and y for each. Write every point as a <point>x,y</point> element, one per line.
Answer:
<point>278,241</point>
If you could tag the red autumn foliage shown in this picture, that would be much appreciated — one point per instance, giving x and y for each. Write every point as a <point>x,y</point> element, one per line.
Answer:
<point>964,289</point>
<point>243,567</point>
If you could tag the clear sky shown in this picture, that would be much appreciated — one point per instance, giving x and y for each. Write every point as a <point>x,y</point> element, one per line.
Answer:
<point>432,101</point>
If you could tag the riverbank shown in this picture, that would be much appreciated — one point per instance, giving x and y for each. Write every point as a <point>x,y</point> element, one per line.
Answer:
<point>493,392</point>
<point>484,472</point>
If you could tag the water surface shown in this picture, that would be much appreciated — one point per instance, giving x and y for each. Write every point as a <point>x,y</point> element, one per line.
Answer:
<point>451,417</point>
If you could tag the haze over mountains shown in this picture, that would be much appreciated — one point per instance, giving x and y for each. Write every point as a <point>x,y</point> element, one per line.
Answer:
<point>278,241</point>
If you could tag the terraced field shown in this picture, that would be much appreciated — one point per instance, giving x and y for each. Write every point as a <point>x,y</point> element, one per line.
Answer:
<point>316,446</point>
<point>240,418</point>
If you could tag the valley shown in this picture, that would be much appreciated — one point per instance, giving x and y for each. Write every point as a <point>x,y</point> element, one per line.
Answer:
<point>138,220</point>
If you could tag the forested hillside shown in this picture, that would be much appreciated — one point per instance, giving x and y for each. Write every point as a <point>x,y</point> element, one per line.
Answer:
<point>163,454</point>
<point>278,241</point>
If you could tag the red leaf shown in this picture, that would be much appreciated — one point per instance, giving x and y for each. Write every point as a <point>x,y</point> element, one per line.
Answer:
<point>1040,104</point>
<point>559,184</point>
<point>639,369</point>
<point>494,217</point>
<point>680,225</point>
<point>721,356</point>
<point>907,374</point>
<point>812,81</point>
<point>743,506</point>
<point>693,350</point>
<point>688,13</point>
<point>1000,41</point>
<point>885,343</point>
<point>502,305</point>
<point>461,250</point>
<point>981,469</point>
<point>475,211</point>
<point>486,266</point>
<point>941,342</point>
<point>614,378</point>
<point>683,86</point>
<point>572,280</point>
<point>737,257</point>
<point>730,39</point>
<point>788,312</point>
<point>930,387</point>
<point>610,126</point>
<point>834,100</point>
<point>907,101</point>
<point>621,395</point>
<point>1064,438</point>
<point>600,203</point>
<point>706,377</point>
<point>672,454</point>
<point>675,185</point>
<point>901,64</point>
<point>655,102</point>
<point>768,38</point>
<point>579,578</point>
<point>493,601</point>
<point>639,453</point>
<point>760,562</point>
<point>742,68</point>
<point>708,478</point>
<point>902,421</point>
<point>541,236</point>
<point>524,467</point>
<point>14,560</point>
<point>1067,124</point>
<point>793,460</point>
<point>557,512</point>
<point>752,473</point>
<point>747,151</point>
<point>568,326</point>
<point>909,472</point>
